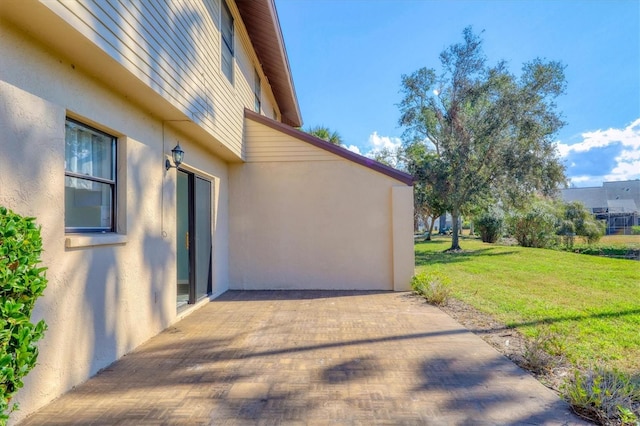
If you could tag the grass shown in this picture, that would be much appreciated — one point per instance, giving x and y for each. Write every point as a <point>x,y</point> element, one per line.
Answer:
<point>621,246</point>
<point>629,241</point>
<point>619,242</point>
<point>592,303</point>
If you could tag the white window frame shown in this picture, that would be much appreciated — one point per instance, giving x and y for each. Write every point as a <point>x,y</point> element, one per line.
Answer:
<point>111,182</point>
<point>227,45</point>
<point>257,91</point>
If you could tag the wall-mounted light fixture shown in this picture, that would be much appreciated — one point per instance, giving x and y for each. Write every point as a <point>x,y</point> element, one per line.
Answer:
<point>178,155</point>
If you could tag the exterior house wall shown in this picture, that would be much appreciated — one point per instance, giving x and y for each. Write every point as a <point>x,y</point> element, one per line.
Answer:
<point>172,48</point>
<point>149,74</point>
<point>306,218</point>
<point>106,293</point>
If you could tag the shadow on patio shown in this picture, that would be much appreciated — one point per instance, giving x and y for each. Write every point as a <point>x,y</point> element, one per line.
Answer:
<point>323,357</point>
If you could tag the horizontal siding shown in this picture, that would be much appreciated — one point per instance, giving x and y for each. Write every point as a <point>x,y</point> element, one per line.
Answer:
<point>246,66</point>
<point>246,70</point>
<point>174,48</point>
<point>264,144</point>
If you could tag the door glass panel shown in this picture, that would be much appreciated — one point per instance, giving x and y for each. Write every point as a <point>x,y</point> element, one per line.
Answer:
<point>182,233</point>
<point>202,237</point>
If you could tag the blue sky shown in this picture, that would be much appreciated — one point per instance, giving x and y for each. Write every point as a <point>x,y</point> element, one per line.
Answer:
<point>347,58</point>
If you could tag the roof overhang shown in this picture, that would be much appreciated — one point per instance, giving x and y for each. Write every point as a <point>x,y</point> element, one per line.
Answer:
<point>263,26</point>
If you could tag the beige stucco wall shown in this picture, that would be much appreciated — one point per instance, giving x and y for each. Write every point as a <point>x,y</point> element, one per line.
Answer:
<point>304,218</point>
<point>402,225</point>
<point>318,221</point>
<point>106,293</point>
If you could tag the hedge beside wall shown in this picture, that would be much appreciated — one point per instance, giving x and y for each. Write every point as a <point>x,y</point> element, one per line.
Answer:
<point>22,281</point>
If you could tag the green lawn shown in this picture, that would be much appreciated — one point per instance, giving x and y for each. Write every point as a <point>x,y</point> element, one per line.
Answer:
<point>592,303</point>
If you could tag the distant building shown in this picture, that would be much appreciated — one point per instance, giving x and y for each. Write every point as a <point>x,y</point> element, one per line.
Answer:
<point>615,202</point>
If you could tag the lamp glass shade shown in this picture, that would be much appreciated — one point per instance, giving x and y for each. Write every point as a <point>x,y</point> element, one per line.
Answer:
<point>178,155</point>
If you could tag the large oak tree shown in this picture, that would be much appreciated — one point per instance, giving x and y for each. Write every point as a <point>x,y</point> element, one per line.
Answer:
<point>490,133</point>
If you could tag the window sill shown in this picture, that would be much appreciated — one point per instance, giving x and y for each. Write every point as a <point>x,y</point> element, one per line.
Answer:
<point>77,241</point>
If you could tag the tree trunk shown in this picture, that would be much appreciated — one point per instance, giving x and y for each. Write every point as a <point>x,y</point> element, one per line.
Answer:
<point>432,219</point>
<point>455,237</point>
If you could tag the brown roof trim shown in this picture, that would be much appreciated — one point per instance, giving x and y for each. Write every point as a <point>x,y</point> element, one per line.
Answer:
<point>327,146</point>
<point>260,18</point>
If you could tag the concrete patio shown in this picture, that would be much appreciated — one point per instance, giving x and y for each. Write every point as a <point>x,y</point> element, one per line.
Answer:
<point>311,357</point>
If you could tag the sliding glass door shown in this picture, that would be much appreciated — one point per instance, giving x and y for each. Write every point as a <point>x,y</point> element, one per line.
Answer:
<point>202,238</point>
<point>194,243</point>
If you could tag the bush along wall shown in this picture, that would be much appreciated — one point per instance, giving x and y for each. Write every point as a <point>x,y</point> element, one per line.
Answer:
<point>22,281</point>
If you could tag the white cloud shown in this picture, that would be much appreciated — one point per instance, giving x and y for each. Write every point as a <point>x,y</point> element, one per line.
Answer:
<point>627,162</point>
<point>624,171</point>
<point>375,144</point>
<point>354,148</point>
<point>629,137</point>
<point>379,143</point>
<point>628,155</point>
<point>581,179</point>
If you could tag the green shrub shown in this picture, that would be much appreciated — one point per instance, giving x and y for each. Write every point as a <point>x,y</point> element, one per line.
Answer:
<point>21,283</point>
<point>544,224</point>
<point>608,251</point>
<point>606,397</point>
<point>583,222</point>
<point>490,226</point>
<point>567,230</point>
<point>535,227</point>
<point>434,286</point>
<point>593,230</point>
<point>635,230</point>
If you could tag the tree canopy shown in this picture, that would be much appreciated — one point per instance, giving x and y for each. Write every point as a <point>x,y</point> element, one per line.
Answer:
<point>430,182</point>
<point>486,132</point>
<point>326,134</point>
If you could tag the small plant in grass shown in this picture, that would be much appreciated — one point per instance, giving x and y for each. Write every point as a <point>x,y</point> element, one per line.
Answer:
<point>607,397</point>
<point>21,283</point>
<point>539,351</point>
<point>434,286</point>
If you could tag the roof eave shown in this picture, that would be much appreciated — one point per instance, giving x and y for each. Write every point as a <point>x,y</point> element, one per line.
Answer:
<point>328,146</point>
<point>260,18</point>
